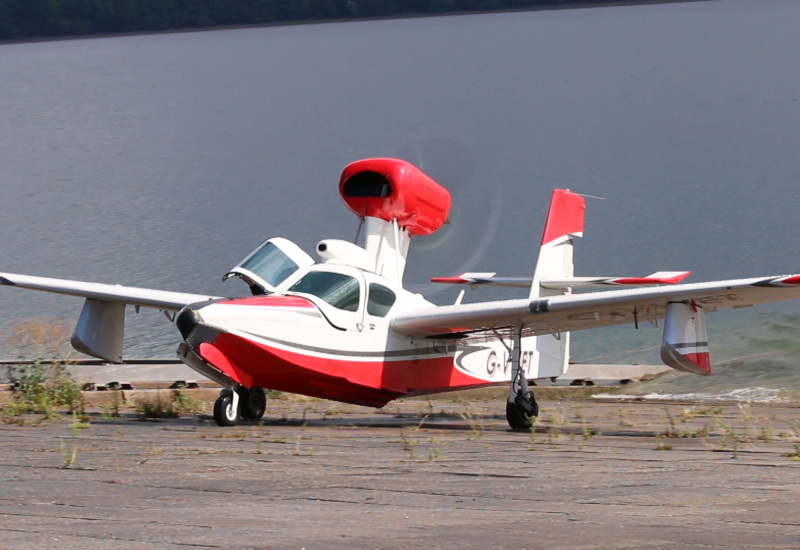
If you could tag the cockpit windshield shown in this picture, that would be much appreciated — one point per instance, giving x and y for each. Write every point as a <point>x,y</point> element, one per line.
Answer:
<point>339,290</point>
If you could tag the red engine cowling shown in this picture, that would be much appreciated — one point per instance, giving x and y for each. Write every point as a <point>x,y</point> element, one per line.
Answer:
<point>388,188</point>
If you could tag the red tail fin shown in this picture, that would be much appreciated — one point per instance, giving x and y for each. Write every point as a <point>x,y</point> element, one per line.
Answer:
<point>565,216</point>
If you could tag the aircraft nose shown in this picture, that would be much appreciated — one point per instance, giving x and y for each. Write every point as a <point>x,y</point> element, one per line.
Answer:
<point>187,320</point>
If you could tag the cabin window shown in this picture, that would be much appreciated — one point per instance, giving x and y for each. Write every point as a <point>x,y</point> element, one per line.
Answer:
<point>340,291</point>
<point>380,300</point>
<point>271,264</point>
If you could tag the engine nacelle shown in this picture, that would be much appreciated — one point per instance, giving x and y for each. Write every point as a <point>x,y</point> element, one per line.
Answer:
<point>390,189</point>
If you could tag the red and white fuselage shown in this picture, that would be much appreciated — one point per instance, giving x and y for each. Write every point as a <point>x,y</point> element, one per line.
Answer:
<point>325,330</point>
<point>287,342</point>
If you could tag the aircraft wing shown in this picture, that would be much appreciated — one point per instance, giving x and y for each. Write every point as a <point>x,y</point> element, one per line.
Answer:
<point>570,312</point>
<point>159,299</point>
<point>101,324</point>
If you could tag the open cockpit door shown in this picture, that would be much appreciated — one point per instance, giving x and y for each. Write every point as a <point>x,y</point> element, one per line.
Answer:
<point>274,261</point>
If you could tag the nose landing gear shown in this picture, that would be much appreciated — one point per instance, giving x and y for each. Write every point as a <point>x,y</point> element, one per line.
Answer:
<point>238,403</point>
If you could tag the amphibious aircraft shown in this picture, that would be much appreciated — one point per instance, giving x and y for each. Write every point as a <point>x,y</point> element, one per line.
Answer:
<point>344,328</point>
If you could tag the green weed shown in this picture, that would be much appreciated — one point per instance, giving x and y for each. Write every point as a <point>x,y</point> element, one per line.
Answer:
<point>475,424</point>
<point>42,384</point>
<point>68,455</point>
<point>111,410</point>
<point>662,445</point>
<point>178,404</point>
<point>78,423</point>
<point>794,455</point>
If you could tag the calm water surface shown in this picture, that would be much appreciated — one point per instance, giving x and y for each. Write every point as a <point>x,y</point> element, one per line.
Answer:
<point>160,161</point>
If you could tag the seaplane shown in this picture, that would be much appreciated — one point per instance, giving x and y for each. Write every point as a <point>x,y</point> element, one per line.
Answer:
<point>343,327</point>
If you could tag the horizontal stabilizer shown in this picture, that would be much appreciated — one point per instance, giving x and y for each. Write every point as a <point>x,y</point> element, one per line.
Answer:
<point>475,279</point>
<point>659,278</point>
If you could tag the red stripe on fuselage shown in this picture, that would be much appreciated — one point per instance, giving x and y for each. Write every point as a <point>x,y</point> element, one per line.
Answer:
<point>270,301</point>
<point>372,383</point>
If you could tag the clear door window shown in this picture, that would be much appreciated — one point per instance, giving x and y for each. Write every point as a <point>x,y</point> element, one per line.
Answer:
<point>271,264</point>
<point>380,300</point>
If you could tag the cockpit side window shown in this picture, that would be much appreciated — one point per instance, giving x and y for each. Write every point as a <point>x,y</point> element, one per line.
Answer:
<point>340,291</point>
<point>380,300</point>
<point>271,264</point>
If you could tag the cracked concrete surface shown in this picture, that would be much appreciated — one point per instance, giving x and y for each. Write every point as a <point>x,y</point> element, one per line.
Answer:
<point>418,475</point>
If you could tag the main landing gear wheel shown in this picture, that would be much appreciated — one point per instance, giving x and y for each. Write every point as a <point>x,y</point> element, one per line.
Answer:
<point>521,405</point>
<point>253,403</point>
<point>226,413</point>
<point>521,411</point>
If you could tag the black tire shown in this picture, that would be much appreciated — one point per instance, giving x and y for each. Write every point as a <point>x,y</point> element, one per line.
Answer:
<point>253,403</point>
<point>518,418</point>
<point>224,414</point>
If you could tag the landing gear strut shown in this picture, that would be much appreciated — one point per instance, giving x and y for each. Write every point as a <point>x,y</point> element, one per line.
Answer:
<point>521,406</point>
<point>239,403</point>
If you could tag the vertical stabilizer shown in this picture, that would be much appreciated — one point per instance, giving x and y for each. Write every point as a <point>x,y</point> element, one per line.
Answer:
<point>564,223</point>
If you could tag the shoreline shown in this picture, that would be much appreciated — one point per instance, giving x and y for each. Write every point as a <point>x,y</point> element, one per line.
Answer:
<point>179,30</point>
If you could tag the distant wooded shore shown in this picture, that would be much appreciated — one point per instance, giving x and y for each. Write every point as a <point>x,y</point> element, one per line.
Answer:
<point>34,20</point>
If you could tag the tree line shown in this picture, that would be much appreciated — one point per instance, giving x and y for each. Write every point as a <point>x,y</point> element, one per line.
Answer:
<point>22,19</point>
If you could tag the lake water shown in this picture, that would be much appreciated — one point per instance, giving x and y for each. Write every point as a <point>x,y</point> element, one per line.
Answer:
<point>160,161</point>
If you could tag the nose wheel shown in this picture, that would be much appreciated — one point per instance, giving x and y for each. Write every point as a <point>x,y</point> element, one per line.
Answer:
<point>240,403</point>
<point>226,408</point>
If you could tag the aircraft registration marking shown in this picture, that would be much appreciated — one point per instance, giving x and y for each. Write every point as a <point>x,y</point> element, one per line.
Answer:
<point>495,366</point>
